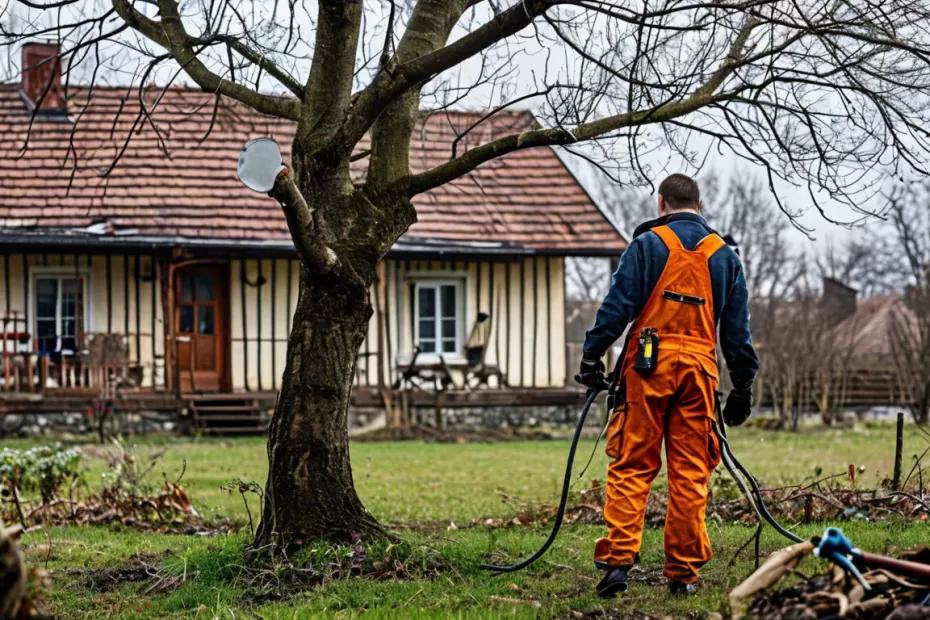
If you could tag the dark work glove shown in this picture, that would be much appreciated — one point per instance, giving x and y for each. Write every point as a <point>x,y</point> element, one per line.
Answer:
<point>738,407</point>
<point>591,374</point>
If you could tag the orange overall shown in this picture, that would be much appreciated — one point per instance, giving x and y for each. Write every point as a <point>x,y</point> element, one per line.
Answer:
<point>675,402</point>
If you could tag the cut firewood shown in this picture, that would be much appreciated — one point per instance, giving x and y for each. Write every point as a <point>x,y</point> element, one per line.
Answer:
<point>774,568</point>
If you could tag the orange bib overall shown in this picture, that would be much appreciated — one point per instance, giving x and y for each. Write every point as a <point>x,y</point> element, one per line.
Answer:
<point>675,402</point>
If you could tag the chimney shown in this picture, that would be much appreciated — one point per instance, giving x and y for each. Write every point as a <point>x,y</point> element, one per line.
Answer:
<point>41,78</point>
<point>838,300</point>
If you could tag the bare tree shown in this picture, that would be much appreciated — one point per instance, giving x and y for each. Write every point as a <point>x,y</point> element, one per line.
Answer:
<point>865,261</point>
<point>910,333</point>
<point>817,94</point>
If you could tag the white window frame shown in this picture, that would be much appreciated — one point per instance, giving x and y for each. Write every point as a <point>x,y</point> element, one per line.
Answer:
<point>435,283</point>
<point>59,273</point>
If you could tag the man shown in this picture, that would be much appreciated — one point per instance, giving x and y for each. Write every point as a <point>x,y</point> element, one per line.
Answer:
<point>676,282</point>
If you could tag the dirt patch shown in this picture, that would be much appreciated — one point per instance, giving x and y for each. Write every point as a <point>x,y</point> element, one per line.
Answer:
<point>833,595</point>
<point>141,567</point>
<point>433,435</point>
<point>264,578</point>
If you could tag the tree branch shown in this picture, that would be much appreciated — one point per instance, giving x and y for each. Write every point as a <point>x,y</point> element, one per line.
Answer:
<point>428,29</point>
<point>170,34</point>
<point>329,83</point>
<point>703,96</point>
<point>264,63</point>
<point>400,75</point>
<point>301,224</point>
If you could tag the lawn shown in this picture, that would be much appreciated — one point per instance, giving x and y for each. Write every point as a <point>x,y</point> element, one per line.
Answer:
<point>447,488</point>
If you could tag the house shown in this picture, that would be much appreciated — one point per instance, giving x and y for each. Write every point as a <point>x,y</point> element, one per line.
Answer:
<point>121,216</point>
<point>865,341</point>
<point>857,365</point>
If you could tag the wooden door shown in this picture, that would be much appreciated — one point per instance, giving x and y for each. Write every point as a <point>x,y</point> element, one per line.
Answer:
<point>201,320</point>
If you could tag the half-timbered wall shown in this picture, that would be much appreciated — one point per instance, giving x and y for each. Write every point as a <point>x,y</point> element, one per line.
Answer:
<point>123,297</point>
<point>524,297</point>
<point>262,299</point>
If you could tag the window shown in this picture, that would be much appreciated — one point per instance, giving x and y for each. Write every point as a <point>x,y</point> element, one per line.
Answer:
<point>197,299</point>
<point>437,316</point>
<point>59,312</point>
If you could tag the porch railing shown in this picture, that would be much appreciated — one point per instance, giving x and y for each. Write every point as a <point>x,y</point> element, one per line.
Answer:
<point>98,365</point>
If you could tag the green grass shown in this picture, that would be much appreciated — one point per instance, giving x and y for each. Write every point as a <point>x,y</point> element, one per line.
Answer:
<point>441,484</point>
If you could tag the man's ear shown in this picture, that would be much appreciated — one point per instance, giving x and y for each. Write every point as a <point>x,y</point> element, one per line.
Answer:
<point>662,205</point>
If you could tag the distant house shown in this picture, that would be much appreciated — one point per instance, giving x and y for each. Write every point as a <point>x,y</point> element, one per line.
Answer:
<point>865,343</point>
<point>170,254</point>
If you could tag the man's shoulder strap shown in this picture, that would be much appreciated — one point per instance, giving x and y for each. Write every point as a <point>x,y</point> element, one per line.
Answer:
<point>709,245</point>
<point>668,237</point>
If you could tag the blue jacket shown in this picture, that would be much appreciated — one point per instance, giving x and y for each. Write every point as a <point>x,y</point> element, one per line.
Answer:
<point>637,274</point>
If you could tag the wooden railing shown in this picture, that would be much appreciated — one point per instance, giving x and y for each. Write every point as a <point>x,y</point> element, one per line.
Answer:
<point>99,366</point>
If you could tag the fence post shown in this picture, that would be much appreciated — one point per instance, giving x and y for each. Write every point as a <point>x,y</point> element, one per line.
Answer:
<point>898,449</point>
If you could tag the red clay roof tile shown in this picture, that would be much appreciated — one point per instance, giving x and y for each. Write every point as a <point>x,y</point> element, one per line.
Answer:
<point>174,181</point>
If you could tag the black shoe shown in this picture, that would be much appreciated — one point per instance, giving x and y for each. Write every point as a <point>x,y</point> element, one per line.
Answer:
<point>677,588</point>
<point>613,582</point>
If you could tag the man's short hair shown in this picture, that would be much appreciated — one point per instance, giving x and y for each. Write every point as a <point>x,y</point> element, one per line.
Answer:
<point>680,191</point>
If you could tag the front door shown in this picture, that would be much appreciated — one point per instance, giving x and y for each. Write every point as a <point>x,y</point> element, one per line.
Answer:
<point>201,319</point>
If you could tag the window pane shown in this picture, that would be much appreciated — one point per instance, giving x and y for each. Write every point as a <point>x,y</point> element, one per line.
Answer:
<point>448,300</point>
<point>70,294</point>
<point>448,345</point>
<point>427,302</point>
<point>45,333</point>
<point>46,297</point>
<point>206,287</point>
<point>427,328</point>
<point>187,288</point>
<point>187,319</point>
<point>67,334</point>
<point>448,328</point>
<point>427,346</point>
<point>205,319</point>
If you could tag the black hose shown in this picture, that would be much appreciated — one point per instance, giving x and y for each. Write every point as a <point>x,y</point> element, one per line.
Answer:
<point>736,468</point>
<point>566,484</point>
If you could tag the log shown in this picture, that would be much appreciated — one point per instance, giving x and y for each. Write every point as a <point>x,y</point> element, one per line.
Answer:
<point>12,572</point>
<point>773,569</point>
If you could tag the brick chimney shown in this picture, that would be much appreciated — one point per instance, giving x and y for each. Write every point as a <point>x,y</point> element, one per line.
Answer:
<point>41,79</point>
<point>838,300</point>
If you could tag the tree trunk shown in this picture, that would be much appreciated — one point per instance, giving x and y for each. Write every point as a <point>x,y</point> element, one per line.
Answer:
<point>12,573</point>
<point>310,494</point>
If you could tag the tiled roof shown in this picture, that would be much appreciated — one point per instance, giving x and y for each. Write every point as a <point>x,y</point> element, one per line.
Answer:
<point>176,177</point>
<point>866,335</point>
